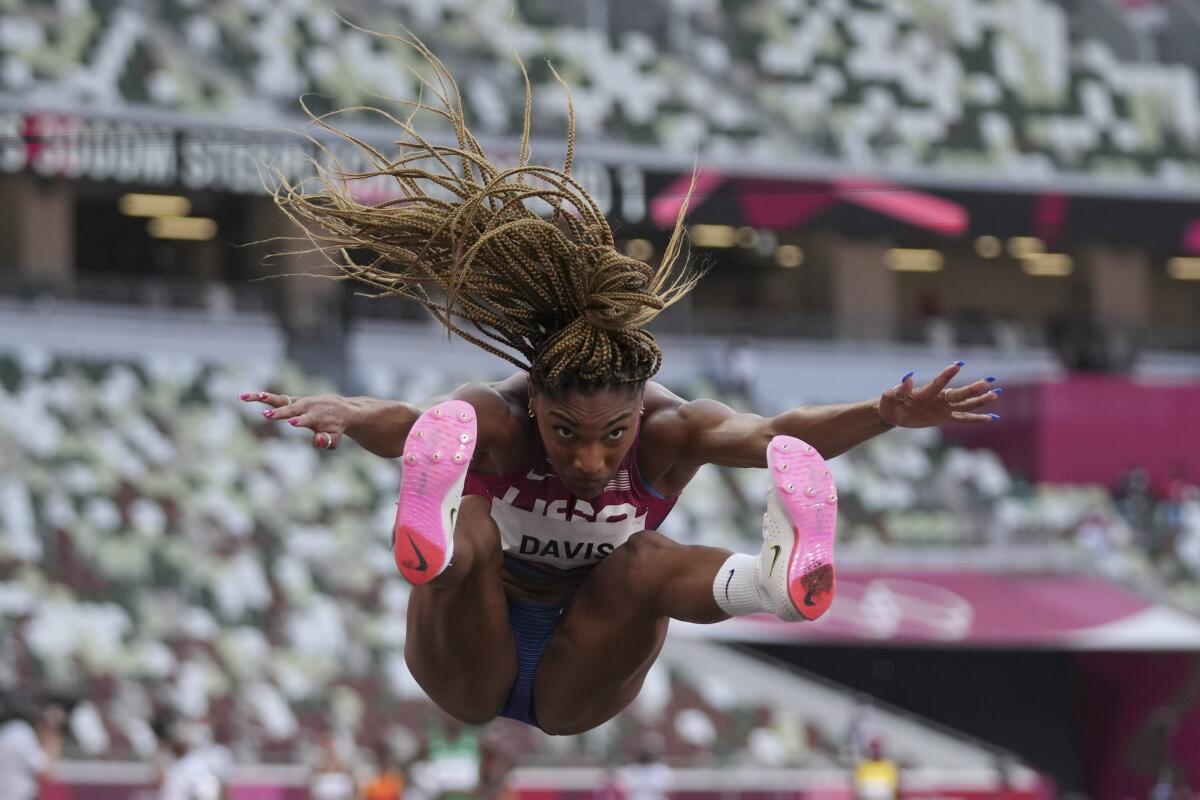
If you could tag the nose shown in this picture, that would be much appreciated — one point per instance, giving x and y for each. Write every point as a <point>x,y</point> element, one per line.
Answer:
<point>589,462</point>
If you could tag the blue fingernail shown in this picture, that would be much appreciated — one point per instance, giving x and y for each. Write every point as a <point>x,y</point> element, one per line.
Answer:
<point>990,379</point>
<point>960,363</point>
<point>998,390</point>
<point>906,377</point>
<point>994,416</point>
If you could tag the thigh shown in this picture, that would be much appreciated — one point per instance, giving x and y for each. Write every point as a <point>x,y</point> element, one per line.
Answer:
<point>458,645</point>
<point>607,641</point>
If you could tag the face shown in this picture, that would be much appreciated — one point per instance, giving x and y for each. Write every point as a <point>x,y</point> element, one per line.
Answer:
<point>587,435</point>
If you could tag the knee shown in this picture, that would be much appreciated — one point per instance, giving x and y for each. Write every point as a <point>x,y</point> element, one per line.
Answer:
<point>468,703</point>
<point>641,558</point>
<point>476,536</point>
<point>581,716</point>
<point>562,728</point>
<point>471,715</point>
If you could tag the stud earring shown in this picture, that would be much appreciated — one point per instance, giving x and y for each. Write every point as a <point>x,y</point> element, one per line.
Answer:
<point>531,414</point>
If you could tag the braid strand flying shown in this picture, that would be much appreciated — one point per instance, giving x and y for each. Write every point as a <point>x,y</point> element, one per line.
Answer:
<point>551,294</point>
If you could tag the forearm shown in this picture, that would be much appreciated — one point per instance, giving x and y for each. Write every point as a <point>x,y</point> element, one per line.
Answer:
<point>380,426</point>
<point>832,429</point>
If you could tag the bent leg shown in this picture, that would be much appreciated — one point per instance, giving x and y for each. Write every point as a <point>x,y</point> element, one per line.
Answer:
<point>459,647</point>
<point>614,626</point>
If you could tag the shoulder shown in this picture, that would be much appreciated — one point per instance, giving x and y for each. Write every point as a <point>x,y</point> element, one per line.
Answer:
<point>496,400</point>
<point>670,427</point>
<point>500,416</point>
<point>671,422</point>
<point>661,420</point>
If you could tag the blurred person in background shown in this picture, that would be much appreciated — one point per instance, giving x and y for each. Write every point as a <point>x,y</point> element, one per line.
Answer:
<point>610,784</point>
<point>453,760</point>
<point>191,766</point>
<point>876,777</point>
<point>647,778</point>
<point>856,741</point>
<point>387,781</point>
<point>551,571</point>
<point>31,736</point>
<point>333,779</point>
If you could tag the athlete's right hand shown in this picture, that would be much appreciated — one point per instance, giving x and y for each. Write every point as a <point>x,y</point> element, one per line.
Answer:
<point>326,415</point>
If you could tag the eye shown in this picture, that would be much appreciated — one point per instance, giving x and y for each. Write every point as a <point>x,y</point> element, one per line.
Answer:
<point>616,433</point>
<point>565,433</point>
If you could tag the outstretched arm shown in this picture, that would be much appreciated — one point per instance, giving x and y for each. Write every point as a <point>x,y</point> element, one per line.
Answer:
<point>712,433</point>
<point>381,426</point>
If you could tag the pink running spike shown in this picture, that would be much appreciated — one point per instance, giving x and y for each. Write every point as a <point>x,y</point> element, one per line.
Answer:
<point>811,580</point>
<point>431,489</point>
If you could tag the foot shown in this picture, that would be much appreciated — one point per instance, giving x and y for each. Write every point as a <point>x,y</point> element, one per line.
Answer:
<point>797,558</point>
<point>437,455</point>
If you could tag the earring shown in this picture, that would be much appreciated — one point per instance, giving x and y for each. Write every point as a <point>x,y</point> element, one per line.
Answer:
<point>531,414</point>
<point>642,412</point>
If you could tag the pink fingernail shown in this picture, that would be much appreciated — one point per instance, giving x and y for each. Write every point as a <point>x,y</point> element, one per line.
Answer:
<point>270,412</point>
<point>294,421</point>
<point>244,396</point>
<point>323,440</point>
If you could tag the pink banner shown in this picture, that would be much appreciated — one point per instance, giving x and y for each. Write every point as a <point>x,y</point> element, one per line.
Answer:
<point>665,207</point>
<point>919,209</point>
<point>91,791</point>
<point>87,790</point>
<point>948,792</point>
<point>1074,612</point>
<point>769,203</point>
<point>1092,429</point>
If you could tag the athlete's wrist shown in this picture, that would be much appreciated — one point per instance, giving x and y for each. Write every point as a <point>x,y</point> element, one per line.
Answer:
<point>380,426</point>
<point>356,414</point>
<point>878,406</point>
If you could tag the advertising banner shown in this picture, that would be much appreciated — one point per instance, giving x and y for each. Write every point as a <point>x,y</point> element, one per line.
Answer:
<point>979,609</point>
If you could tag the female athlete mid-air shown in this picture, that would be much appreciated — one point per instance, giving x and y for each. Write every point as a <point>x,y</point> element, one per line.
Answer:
<point>528,508</point>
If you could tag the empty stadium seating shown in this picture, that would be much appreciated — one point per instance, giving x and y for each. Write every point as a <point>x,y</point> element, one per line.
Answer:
<point>154,531</point>
<point>1004,85</point>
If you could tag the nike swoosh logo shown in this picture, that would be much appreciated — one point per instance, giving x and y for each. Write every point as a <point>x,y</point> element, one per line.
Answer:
<point>423,565</point>
<point>808,596</point>
<point>727,580</point>
<point>774,558</point>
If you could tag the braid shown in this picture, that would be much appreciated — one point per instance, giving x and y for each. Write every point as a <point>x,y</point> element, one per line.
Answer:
<point>552,296</point>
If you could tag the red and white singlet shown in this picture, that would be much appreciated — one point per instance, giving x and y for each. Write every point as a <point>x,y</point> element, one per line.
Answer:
<point>550,532</point>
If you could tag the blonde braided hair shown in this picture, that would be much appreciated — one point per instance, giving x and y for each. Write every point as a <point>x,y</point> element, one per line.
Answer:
<point>553,296</point>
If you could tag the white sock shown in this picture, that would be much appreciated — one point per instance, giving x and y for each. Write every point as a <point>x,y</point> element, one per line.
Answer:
<point>737,587</point>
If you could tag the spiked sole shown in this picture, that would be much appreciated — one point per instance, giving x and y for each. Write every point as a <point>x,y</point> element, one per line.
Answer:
<point>437,455</point>
<point>806,491</point>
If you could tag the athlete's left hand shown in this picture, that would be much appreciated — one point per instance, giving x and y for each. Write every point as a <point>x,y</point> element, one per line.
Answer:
<point>906,406</point>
